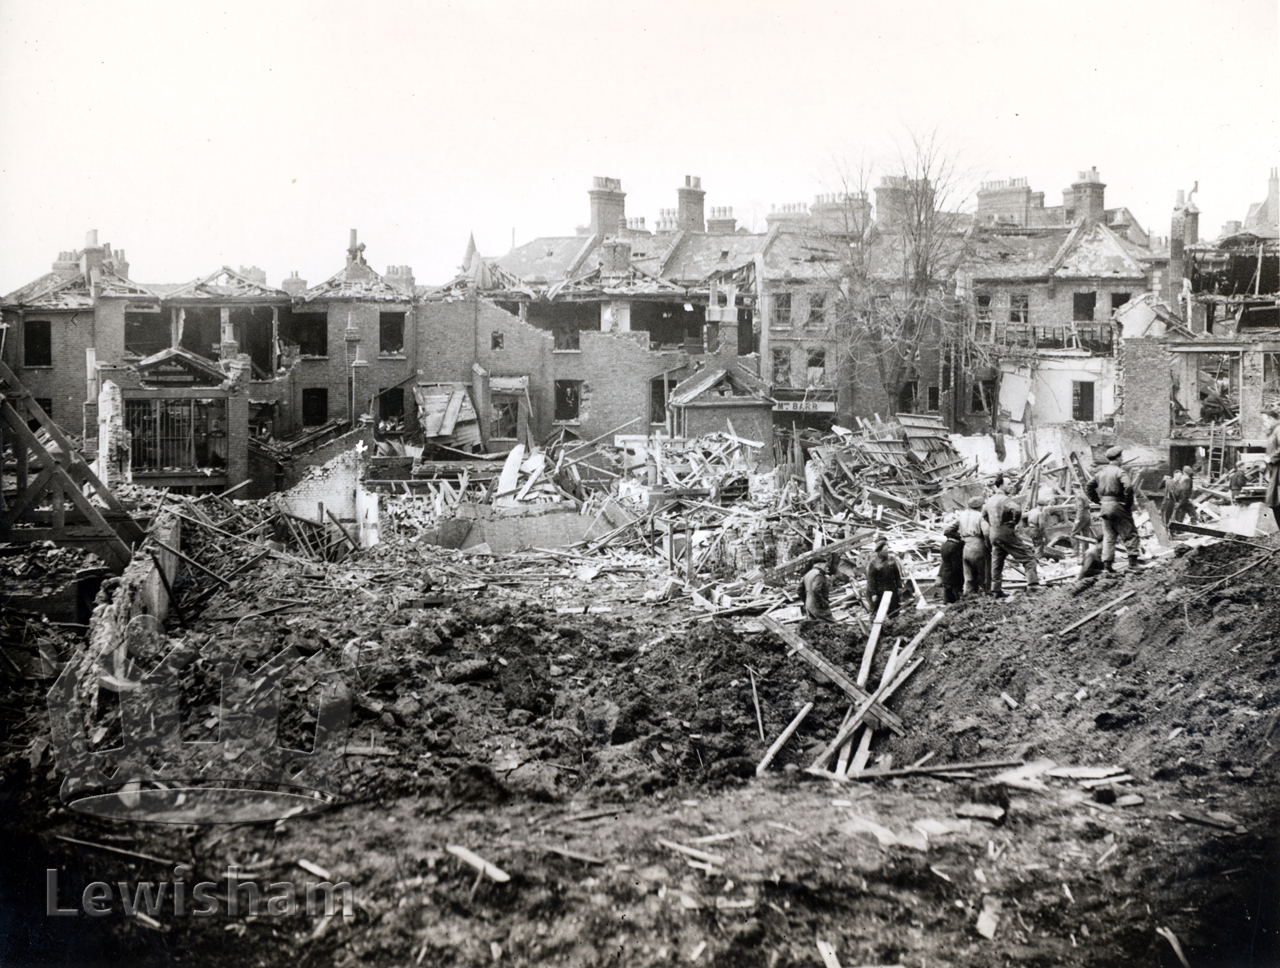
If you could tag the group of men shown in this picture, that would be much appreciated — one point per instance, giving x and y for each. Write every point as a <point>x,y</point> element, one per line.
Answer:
<point>985,535</point>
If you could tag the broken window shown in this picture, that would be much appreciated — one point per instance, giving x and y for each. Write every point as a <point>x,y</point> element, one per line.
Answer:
<point>1082,306</point>
<point>1118,299</point>
<point>174,435</point>
<point>982,332</point>
<point>506,418</point>
<point>1097,338</point>
<point>782,366</point>
<point>309,331</point>
<point>1050,337</point>
<point>982,396</point>
<point>568,338</point>
<point>817,368</point>
<point>391,333</point>
<point>934,400</point>
<point>1082,400</point>
<point>568,399</point>
<point>748,340</point>
<point>496,341</point>
<point>781,310</point>
<point>37,343</point>
<point>146,332</point>
<point>1019,309</point>
<point>817,310</point>
<point>315,406</point>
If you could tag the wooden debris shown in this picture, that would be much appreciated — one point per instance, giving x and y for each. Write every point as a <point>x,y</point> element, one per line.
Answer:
<point>715,860</point>
<point>1098,611</point>
<point>781,740</point>
<point>485,868</point>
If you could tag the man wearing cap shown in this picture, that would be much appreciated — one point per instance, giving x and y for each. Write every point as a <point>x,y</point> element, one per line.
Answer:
<point>1271,416</point>
<point>1177,497</point>
<point>817,592</point>
<point>977,548</point>
<point>1113,490</point>
<point>883,575</point>
<point>1003,514</point>
<point>951,568</point>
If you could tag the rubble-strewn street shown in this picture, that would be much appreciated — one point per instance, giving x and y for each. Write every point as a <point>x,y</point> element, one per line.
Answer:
<point>1084,773</point>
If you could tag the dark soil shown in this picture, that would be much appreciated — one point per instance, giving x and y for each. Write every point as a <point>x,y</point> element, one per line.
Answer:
<point>503,725</point>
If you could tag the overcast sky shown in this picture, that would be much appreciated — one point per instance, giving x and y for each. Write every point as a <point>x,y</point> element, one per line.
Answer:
<point>198,134</point>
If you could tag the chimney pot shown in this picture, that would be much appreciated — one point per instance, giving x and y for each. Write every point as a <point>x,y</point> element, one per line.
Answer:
<point>91,239</point>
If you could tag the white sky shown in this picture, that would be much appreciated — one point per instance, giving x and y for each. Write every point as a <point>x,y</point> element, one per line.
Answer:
<point>195,135</point>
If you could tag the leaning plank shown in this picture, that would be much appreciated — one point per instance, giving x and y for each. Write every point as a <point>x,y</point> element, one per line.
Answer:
<point>716,860</point>
<point>781,740</point>
<point>1098,611</point>
<point>479,863</point>
<point>811,556</point>
<point>876,711</point>
<point>848,729</point>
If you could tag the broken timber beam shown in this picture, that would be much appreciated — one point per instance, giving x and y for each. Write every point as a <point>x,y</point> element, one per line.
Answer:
<point>781,740</point>
<point>1098,611</point>
<point>875,711</point>
<point>809,557</point>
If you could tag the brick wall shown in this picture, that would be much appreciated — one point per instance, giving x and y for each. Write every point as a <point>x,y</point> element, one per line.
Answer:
<point>615,369</point>
<point>64,382</point>
<point>332,484</point>
<point>1147,383</point>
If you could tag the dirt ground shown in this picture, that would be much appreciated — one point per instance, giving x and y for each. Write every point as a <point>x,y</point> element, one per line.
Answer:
<point>563,747</point>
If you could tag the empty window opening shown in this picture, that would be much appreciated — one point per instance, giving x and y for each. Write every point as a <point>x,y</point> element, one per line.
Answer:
<point>315,406</point>
<point>252,328</point>
<point>817,310</point>
<point>568,339</point>
<point>309,332</point>
<point>391,333</point>
<point>1082,400</point>
<point>658,398</point>
<point>1118,299</point>
<point>781,310</point>
<point>748,338</point>
<point>1019,309</point>
<point>496,341</point>
<point>982,332</point>
<point>506,418</point>
<point>934,399</point>
<point>817,368</point>
<point>391,409</point>
<point>568,399</point>
<point>907,395</point>
<point>45,404</point>
<point>37,343</point>
<point>1082,306</point>
<point>982,396</point>
<point>782,366</point>
<point>145,333</point>
<point>669,325</point>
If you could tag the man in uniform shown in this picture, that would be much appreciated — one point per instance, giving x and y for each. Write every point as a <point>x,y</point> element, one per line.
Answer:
<point>977,549</point>
<point>1113,490</point>
<point>1003,515</point>
<point>883,575</point>
<point>1177,497</point>
<point>817,592</point>
<point>951,569</point>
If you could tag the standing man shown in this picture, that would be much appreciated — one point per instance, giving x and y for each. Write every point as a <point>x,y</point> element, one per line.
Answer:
<point>883,575</point>
<point>1271,417</point>
<point>817,592</point>
<point>977,548</point>
<point>1177,497</point>
<point>1113,490</point>
<point>1236,482</point>
<point>951,569</point>
<point>1003,515</point>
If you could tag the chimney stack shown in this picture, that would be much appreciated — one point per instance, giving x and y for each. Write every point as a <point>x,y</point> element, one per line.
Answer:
<point>722,221</point>
<point>608,205</point>
<point>1085,200</point>
<point>689,205</point>
<point>295,285</point>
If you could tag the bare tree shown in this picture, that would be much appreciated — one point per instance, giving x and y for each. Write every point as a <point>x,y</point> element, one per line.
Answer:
<point>898,322</point>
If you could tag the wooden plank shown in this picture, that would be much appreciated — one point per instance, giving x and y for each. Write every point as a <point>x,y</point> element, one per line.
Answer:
<point>811,556</point>
<point>876,712</point>
<point>451,412</point>
<point>848,730</point>
<point>781,740</point>
<point>510,475</point>
<point>1098,611</point>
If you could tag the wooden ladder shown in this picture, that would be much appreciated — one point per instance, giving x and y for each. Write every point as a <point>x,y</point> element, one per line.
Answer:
<point>1217,450</point>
